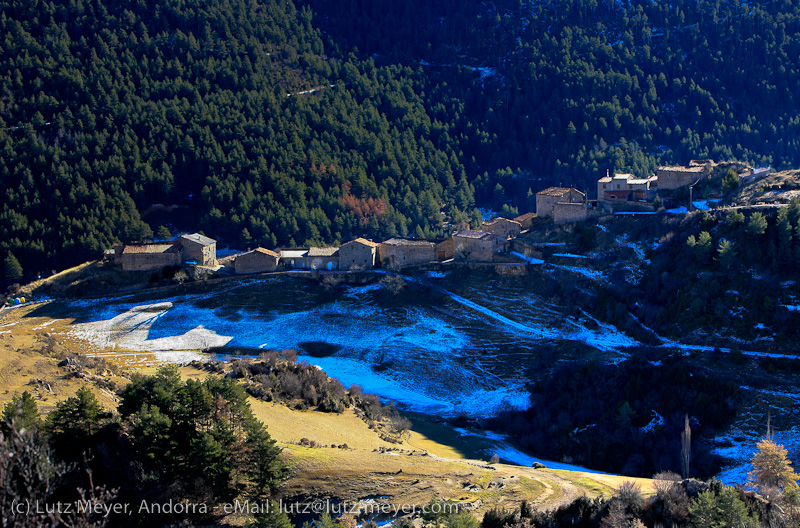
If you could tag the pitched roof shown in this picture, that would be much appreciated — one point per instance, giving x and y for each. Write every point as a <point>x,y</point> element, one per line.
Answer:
<point>262,251</point>
<point>407,242</point>
<point>148,248</point>
<point>680,168</point>
<point>362,241</point>
<point>524,217</point>
<point>294,253</point>
<point>498,221</point>
<point>554,191</point>
<point>322,251</point>
<point>197,238</point>
<point>472,234</point>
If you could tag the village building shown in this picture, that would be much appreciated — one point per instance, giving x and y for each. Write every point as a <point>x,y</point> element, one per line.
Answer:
<point>478,245</point>
<point>358,254</point>
<point>675,177</point>
<point>402,252</point>
<point>149,257</point>
<point>199,249</point>
<point>546,199</point>
<point>625,188</point>
<point>444,248</point>
<point>294,258</point>
<point>525,220</point>
<point>323,258</point>
<point>259,260</point>
<point>503,227</point>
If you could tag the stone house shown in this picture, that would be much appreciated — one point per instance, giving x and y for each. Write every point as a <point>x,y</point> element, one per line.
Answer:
<point>199,249</point>
<point>401,252</point>
<point>675,177</point>
<point>503,227</point>
<point>148,257</point>
<point>546,199</point>
<point>525,220</point>
<point>478,245</point>
<point>259,260</point>
<point>323,258</point>
<point>444,248</point>
<point>625,187</point>
<point>294,258</point>
<point>358,254</point>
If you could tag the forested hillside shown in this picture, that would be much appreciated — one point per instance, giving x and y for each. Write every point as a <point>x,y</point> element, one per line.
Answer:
<point>401,114</point>
<point>566,89</point>
<point>109,107</point>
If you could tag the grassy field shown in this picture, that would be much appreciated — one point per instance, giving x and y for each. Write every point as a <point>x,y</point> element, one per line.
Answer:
<point>350,463</point>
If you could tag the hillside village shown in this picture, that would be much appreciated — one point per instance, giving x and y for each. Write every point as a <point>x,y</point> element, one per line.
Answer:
<point>617,193</point>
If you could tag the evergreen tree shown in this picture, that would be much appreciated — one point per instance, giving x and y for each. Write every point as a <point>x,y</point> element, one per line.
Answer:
<point>12,269</point>
<point>24,410</point>
<point>73,423</point>
<point>162,233</point>
<point>723,509</point>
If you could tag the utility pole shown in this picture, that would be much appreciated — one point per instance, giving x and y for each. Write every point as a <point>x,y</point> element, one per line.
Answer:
<point>691,192</point>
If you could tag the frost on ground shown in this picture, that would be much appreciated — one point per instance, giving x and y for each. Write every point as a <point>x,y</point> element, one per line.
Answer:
<point>412,356</point>
<point>508,453</point>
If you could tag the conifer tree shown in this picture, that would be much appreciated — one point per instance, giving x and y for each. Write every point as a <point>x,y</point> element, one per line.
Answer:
<point>12,269</point>
<point>772,468</point>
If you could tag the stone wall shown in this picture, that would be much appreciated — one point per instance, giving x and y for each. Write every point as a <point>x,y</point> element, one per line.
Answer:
<point>145,261</point>
<point>255,262</point>
<point>400,255</point>
<point>204,255</point>
<point>357,255</point>
<point>564,213</point>
<point>503,227</point>
<point>481,249</point>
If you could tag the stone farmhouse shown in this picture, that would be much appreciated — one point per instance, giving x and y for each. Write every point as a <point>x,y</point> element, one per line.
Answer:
<point>402,252</point>
<point>525,220</point>
<point>503,227</point>
<point>194,248</point>
<point>444,248</point>
<point>625,188</point>
<point>478,245</point>
<point>358,254</point>
<point>323,258</point>
<point>294,258</point>
<point>259,260</point>
<point>149,257</point>
<point>563,205</point>
<point>313,258</point>
<point>547,199</point>
<point>198,248</point>
<point>675,177</point>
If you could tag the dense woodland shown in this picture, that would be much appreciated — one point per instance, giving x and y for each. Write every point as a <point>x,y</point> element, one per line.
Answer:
<point>172,441</point>
<point>627,418</point>
<point>418,112</point>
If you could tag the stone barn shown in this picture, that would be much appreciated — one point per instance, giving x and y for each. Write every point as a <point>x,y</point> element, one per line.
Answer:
<point>503,227</point>
<point>323,258</point>
<point>198,248</point>
<point>259,260</point>
<point>445,248</point>
<point>478,245</point>
<point>525,220</point>
<point>149,257</point>
<point>402,252</point>
<point>677,177</point>
<point>295,258</point>
<point>546,199</point>
<point>358,254</point>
